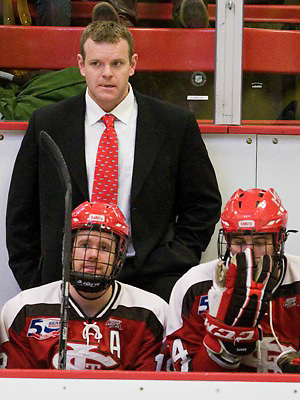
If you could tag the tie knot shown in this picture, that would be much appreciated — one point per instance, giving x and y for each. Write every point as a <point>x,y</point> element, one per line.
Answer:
<point>109,120</point>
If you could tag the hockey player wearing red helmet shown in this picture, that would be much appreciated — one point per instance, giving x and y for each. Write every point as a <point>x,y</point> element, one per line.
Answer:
<point>111,325</point>
<point>254,218</point>
<point>100,235</point>
<point>241,311</point>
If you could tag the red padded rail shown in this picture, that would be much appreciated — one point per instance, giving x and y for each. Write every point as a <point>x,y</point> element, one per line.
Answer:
<point>34,47</point>
<point>160,49</point>
<point>273,51</point>
<point>38,47</point>
<point>264,13</point>
<point>264,128</point>
<point>271,13</point>
<point>163,11</point>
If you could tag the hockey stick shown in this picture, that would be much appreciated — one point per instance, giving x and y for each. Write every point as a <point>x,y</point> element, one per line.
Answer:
<point>54,153</point>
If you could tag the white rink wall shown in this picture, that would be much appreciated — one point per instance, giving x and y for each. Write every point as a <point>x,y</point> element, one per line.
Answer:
<point>21,385</point>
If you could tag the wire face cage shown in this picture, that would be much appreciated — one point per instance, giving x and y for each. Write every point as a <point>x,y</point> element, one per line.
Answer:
<point>97,258</point>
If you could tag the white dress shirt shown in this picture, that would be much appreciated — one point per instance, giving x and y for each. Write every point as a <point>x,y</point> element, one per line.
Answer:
<point>125,126</point>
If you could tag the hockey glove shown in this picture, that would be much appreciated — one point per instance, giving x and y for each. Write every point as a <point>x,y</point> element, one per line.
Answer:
<point>289,362</point>
<point>237,302</point>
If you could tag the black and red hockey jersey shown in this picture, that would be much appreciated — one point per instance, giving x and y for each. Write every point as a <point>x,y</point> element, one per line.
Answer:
<point>189,304</point>
<point>127,334</point>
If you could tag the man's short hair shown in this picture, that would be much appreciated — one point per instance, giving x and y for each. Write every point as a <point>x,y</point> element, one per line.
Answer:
<point>106,32</point>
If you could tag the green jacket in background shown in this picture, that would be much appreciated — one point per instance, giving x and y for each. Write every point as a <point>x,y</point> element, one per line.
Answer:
<point>18,102</point>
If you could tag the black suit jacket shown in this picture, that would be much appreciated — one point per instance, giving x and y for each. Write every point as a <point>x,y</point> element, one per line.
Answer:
<point>175,201</point>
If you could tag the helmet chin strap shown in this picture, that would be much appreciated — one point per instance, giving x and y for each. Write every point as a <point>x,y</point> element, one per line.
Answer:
<point>101,294</point>
<point>89,283</point>
<point>282,271</point>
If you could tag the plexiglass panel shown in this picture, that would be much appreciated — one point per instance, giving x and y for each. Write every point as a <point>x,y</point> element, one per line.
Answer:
<point>193,90</point>
<point>271,84</point>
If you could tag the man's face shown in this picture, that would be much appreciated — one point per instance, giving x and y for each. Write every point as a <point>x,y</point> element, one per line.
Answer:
<point>260,243</point>
<point>106,69</point>
<point>94,252</point>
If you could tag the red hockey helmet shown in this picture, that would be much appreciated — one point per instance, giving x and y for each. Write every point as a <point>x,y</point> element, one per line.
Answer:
<point>255,210</point>
<point>108,216</point>
<point>98,229</point>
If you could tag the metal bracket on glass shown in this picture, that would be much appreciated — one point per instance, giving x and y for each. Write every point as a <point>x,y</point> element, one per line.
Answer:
<point>228,70</point>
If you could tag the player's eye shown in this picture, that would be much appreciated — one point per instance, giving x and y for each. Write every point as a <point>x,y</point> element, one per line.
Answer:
<point>237,242</point>
<point>83,244</point>
<point>260,243</point>
<point>105,247</point>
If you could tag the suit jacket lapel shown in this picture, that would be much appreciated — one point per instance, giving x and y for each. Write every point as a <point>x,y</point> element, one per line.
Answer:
<point>149,137</point>
<point>74,144</point>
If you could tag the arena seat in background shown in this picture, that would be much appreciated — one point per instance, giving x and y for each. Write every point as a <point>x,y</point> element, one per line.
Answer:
<point>82,11</point>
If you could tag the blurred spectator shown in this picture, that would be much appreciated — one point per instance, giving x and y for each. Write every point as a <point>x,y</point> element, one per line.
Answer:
<point>52,12</point>
<point>186,13</point>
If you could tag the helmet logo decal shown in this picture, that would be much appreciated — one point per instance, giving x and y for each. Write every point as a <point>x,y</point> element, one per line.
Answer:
<point>246,223</point>
<point>96,218</point>
<point>270,223</point>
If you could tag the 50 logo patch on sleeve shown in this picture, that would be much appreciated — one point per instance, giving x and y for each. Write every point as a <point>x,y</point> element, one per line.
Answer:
<point>43,328</point>
<point>203,304</point>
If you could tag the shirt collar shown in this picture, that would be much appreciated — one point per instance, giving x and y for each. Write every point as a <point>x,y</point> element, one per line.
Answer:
<point>123,110</point>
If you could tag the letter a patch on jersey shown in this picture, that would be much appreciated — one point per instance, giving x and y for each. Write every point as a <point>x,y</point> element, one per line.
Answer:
<point>43,328</point>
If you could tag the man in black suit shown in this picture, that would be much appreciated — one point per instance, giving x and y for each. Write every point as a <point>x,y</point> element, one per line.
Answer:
<point>167,187</point>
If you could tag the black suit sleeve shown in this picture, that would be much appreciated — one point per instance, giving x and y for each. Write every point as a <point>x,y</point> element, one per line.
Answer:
<point>22,218</point>
<point>198,209</point>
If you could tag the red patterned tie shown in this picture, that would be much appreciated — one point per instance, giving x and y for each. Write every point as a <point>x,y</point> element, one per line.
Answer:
<point>106,170</point>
